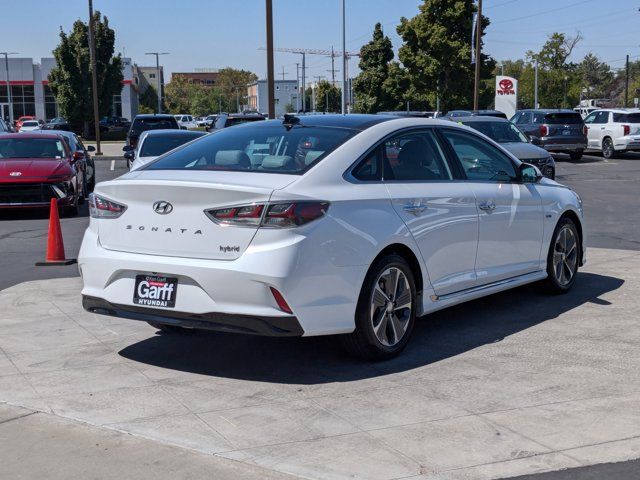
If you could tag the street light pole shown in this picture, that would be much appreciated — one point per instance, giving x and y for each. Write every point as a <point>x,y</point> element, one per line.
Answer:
<point>344,60</point>
<point>271,91</point>
<point>476,87</point>
<point>157,55</point>
<point>94,78</point>
<point>9,98</point>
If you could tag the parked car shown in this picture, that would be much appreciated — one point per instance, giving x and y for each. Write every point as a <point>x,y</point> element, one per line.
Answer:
<point>614,131</point>
<point>154,143</point>
<point>31,125</point>
<point>230,119</point>
<point>36,167</point>
<point>207,121</point>
<point>412,113</point>
<point>81,155</point>
<point>186,121</point>
<point>57,123</point>
<point>584,111</point>
<point>475,113</point>
<point>114,124</point>
<point>561,131</point>
<point>18,123</point>
<point>324,234</point>
<point>512,139</point>
<point>146,122</point>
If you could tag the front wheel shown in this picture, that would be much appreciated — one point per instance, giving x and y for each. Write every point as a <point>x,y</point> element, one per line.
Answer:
<point>564,257</point>
<point>386,310</point>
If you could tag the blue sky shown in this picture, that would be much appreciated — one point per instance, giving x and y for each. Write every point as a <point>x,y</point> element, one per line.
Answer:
<point>219,33</point>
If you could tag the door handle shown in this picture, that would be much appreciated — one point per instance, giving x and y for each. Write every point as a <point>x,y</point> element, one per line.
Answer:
<point>488,206</point>
<point>414,208</point>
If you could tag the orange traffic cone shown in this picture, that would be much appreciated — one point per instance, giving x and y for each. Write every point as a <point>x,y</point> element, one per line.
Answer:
<point>55,245</point>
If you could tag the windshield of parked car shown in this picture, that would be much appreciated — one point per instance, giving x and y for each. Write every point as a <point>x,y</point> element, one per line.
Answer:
<point>501,132</point>
<point>30,123</point>
<point>156,145</point>
<point>142,124</point>
<point>31,148</point>
<point>256,147</point>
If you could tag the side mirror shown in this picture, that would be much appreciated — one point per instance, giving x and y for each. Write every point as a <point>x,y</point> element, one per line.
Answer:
<point>127,148</point>
<point>530,173</point>
<point>91,148</point>
<point>128,155</point>
<point>534,140</point>
<point>77,155</point>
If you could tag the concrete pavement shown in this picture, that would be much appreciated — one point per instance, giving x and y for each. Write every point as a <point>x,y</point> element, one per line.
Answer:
<point>514,384</point>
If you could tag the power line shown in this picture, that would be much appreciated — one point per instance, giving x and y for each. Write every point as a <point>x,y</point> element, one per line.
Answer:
<point>544,12</point>
<point>501,4</point>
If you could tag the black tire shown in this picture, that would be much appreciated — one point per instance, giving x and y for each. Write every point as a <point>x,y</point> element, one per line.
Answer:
<point>167,328</point>
<point>608,150</point>
<point>554,282</point>
<point>364,342</point>
<point>575,156</point>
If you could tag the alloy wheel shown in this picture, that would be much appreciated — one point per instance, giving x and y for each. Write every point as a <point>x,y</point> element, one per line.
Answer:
<point>565,256</point>
<point>607,148</point>
<point>391,306</point>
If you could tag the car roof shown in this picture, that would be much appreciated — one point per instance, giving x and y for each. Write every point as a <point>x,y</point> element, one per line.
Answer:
<point>353,121</point>
<point>31,135</point>
<point>548,110</point>
<point>477,118</point>
<point>172,132</point>
<point>142,116</point>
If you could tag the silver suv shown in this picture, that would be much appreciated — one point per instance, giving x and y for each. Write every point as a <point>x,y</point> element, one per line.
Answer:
<point>554,130</point>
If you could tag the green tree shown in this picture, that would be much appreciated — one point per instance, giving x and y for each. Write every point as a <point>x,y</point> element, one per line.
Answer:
<point>325,91</point>
<point>148,101</point>
<point>70,80</point>
<point>595,76</point>
<point>437,55</point>
<point>178,94</point>
<point>370,93</point>
<point>232,84</point>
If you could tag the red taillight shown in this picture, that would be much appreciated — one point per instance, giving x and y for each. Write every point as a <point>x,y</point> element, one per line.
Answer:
<point>102,208</point>
<point>275,215</point>
<point>627,129</point>
<point>544,130</point>
<point>585,130</point>
<point>282,303</point>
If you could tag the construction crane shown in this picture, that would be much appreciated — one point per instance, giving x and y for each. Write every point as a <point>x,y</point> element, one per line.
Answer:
<point>309,51</point>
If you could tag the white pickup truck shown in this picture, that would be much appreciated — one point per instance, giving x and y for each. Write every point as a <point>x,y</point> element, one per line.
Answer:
<point>613,131</point>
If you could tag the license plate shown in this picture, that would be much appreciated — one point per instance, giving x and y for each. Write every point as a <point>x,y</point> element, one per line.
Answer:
<point>155,291</point>
<point>566,132</point>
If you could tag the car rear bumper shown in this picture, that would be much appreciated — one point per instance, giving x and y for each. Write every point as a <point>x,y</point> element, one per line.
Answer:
<point>556,145</point>
<point>628,143</point>
<point>272,326</point>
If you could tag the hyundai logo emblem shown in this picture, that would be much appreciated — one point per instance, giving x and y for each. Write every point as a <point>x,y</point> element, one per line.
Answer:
<point>162,208</point>
<point>15,174</point>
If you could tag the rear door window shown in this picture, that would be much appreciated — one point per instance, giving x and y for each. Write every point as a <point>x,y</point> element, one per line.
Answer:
<point>626,117</point>
<point>414,156</point>
<point>562,118</point>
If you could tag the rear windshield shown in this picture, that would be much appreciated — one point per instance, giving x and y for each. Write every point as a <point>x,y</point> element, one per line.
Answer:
<point>626,117</point>
<point>141,124</point>
<point>501,132</point>
<point>157,145</point>
<point>562,118</point>
<point>30,123</point>
<point>224,122</point>
<point>31,148</point>
<point>257,147</point>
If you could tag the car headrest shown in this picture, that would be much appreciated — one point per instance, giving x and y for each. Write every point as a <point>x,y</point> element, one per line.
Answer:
<point>278,162</point>
<point>232,157</point>
<point>311,156</point>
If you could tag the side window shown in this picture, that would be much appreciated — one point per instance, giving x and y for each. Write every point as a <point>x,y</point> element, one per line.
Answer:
<point>480,160</point>
<point>601,117</point>
<point>524,118</point>
<point>590,118</point>
<point>414,156</point>
<point>368,170</point>
<point>538,117</point>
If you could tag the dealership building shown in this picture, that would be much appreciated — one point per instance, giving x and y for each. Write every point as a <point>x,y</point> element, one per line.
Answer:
<point>31,94</point>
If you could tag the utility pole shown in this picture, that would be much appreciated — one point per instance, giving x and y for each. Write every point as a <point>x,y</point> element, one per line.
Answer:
<point>344,59</point>
<point>270,75</point>
<point>476,88</point>
<point>297,87</point>
<point>284,73</point>
<point>158,81</point>
<point>626,85</point>
<point>304,83</point>
<point>535,85</point>
<point>94,78</point>
<point>333,67</point>
<point>9,98</point>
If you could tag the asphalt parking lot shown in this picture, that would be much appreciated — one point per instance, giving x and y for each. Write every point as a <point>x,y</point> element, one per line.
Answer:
<point>513,384</point>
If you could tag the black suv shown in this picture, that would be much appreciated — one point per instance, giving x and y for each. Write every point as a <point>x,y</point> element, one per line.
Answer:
<point>554,130</point>
<point>230,119</point>
<point>149,122</point>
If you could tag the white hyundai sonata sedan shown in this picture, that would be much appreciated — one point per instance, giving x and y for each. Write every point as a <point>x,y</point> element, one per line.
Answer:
<point>321,225</point>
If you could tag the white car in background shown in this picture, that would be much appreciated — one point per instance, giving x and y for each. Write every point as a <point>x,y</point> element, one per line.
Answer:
<point>186,121</point>
<point>613,131</point>
<point>153,143</point>
<point>31,125</point>
<point>330,224</point>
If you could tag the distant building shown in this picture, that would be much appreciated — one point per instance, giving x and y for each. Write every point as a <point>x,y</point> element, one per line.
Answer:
<point>31,94</point>
<point>208,78</point>
<point>148,76</point>
<point>286,92</point>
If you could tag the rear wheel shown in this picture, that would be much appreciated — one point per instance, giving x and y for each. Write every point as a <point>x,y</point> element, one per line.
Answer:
<point>575,156</point>
<point>608,150</point>
<point>564,257</point>
<point>386,310</point>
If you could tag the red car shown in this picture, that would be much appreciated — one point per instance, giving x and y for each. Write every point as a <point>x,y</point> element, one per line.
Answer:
<point>22,119</point>
<point>34,168</point>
